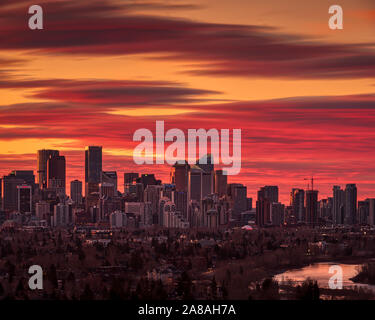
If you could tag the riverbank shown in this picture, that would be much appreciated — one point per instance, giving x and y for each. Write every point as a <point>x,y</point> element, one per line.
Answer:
<point>366,274</point>
<point>360,260</point>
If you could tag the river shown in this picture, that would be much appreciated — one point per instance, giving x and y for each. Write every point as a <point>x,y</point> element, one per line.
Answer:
<point>319,272</point>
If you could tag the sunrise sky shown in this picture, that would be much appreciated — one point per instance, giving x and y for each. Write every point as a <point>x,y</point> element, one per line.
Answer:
<point>302,94</point>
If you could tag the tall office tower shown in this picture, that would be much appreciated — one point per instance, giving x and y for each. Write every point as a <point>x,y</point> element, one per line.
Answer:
<point>221,182</point>
<point>297,201</point>
<point>93,196</point>
<point>277,214</point>
<point>239,201</point>
<point>289,217</point>
<point>181,201</point>
<point>111,178</point>
<point>108,204</point>
<point>330,209</point>
<point>363,212</point>
<point>230,189</point>
<point>207,183</point>
<point>180,176</point>
<point>162,202</point>
<point>312,207</point>
<point>43,156</point>
<point>139,191</point>
<point>266,196</point>
<point>76,191</point>
<point>9,185</point>
<point>325,209</point>
<point>93,167</point>
<point>130,179</point>
<point>371,213</point>
<point>263,212</point>
<point>194,213</point>
<point>27,176</point>
<point>350,204</point>
<point>56,174</point>
<point>152,194</point>
<point>94,212</point>
<point>338,205</point>
<point>24,198</point>
<point>207,165</point>
<point>269,192</point>
<point>195,183</point>
<point>148,179</point>
<point>210,213</point>
<point>168,190</point>
<point>249,204</point>
<point>106,190</point>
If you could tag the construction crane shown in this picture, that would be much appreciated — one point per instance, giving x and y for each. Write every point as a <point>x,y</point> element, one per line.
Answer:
<point>312,183</point>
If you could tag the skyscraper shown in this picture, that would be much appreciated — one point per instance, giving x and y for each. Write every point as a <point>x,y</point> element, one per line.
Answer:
<point>25,175</point>
<point>269,192</point>
<point>76,191</point>
<point>148,179</point>
<point>326,209</point>
<point>221,182</point>
<point>371,213</point>
<point>338,205</point>
<point>277,214</point>
<point>312,207</point>
<point>93,168</point>
<point>24,198</point>
<point>106,190</point>
<point>207,165</point>
<point>111,178</point>
<point>130,179</point>
<point>266,196</point>
<point>181,200</point>
<point>9,192</point>
<point>56,176</point>
<point>152,194</point>
<point>42,158</point>
<point>297,201</point>
<point>350,204</point>
<point>363,212</point>
<point>239,201</point>
<point>180,176</point>
<point>195,183</point>
<point>263,212</point>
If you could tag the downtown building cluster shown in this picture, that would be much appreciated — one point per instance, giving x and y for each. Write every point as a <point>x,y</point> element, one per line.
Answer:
<point>304,208</point>
<point>196,196</point>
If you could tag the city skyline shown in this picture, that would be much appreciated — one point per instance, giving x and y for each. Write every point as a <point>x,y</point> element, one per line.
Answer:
<point>120,178</point>
<point>302,94</point>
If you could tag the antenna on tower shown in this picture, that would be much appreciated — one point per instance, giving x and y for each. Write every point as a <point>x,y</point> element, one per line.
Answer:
<point>312,183</point>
